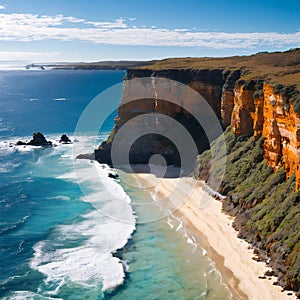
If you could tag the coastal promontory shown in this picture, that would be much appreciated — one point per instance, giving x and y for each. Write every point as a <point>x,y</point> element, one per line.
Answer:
<point>257,101</point>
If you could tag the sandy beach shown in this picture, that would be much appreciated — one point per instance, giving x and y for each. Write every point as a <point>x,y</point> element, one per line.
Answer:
<point>203,216</point>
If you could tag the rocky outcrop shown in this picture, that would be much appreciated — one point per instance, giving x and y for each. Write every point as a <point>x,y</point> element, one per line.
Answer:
<point>208,83</point>
<point>37,140</point>
<point>281,132</point>
<point>243,111</point>
<point>227,98</point>
<point>64,139</point>
<point>252,107</point>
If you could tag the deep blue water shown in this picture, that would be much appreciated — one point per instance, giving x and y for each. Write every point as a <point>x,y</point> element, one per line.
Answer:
<point>50,101</point>
<point>55,242</point>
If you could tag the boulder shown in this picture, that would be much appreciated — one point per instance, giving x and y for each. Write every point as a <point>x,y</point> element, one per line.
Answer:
<point>39,140</point>
<point>64,139</point>
<point>112,175</point>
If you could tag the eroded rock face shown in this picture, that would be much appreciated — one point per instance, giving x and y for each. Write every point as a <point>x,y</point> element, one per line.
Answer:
<point>243,111</point>
<point>281,133</point>
<point>208,83</point>
<point>269,114</point>
<point>247,117</point>
<point>227,98</point>
<point>258,116</point>
<point>251,108</point>
<point>150,99</point>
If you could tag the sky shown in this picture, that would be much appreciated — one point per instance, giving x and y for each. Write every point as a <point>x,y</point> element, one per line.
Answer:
<point>96,30</point>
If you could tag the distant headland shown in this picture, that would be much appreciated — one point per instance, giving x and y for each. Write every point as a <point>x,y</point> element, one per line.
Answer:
<point>101,65</point>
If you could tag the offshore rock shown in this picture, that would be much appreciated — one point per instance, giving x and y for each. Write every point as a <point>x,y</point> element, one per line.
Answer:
<point>37,140</point>
<point>64,139</point>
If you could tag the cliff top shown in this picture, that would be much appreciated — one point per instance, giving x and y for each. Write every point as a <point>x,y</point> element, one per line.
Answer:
<point>277,67</point>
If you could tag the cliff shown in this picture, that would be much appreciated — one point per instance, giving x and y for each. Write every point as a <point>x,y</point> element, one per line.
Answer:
<point>257,97</point>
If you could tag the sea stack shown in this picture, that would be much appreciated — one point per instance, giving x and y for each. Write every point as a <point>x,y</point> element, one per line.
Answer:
<point>64,139</point>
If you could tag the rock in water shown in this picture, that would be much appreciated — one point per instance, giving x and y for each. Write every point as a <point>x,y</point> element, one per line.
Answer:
<point>37,140</point>
<point>20,143</point>
<point>64,139</point>
<point>112,175</point>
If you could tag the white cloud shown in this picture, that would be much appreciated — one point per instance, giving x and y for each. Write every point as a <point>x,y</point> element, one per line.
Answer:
<point>29,27</point>
<point>119,23</point>
<point>27,56</point>
<point>2,7</point>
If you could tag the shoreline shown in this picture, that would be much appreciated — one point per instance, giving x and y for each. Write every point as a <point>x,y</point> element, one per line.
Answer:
<point>232,256</point>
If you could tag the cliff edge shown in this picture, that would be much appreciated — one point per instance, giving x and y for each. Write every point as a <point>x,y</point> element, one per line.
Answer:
<point>257,99</point>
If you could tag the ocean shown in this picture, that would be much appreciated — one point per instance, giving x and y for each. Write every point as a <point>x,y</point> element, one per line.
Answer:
<point>55,240</point>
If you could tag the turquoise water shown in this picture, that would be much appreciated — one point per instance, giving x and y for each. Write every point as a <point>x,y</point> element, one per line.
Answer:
<point>56,241</point>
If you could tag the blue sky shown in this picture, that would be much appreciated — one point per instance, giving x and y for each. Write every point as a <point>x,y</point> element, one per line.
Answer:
<point>73,30</point>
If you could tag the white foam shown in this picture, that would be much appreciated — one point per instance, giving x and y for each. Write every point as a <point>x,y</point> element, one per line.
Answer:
<point>60,99</point>
<point>8,167</point>
<point>179,226</point>
<point>100,233</point>
<point>71,176</point>
<point>169,222</point>
<point>9,145</point>
<point>65,198</point>
<point>96,174</point>
<point>91,262</point>
<point>82,252</point>
<point>67,156</point>
<point>191,240</point>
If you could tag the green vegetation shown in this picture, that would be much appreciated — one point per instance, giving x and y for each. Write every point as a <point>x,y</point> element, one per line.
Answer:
<point>266,207</point>
<point>111,136</point>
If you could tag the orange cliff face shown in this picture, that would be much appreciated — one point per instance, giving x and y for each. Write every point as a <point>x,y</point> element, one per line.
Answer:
<point>271,115</point>
<point>281,132</point>
<point>247,113</point>
<point>250,107</point>
<point>243,111</point>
